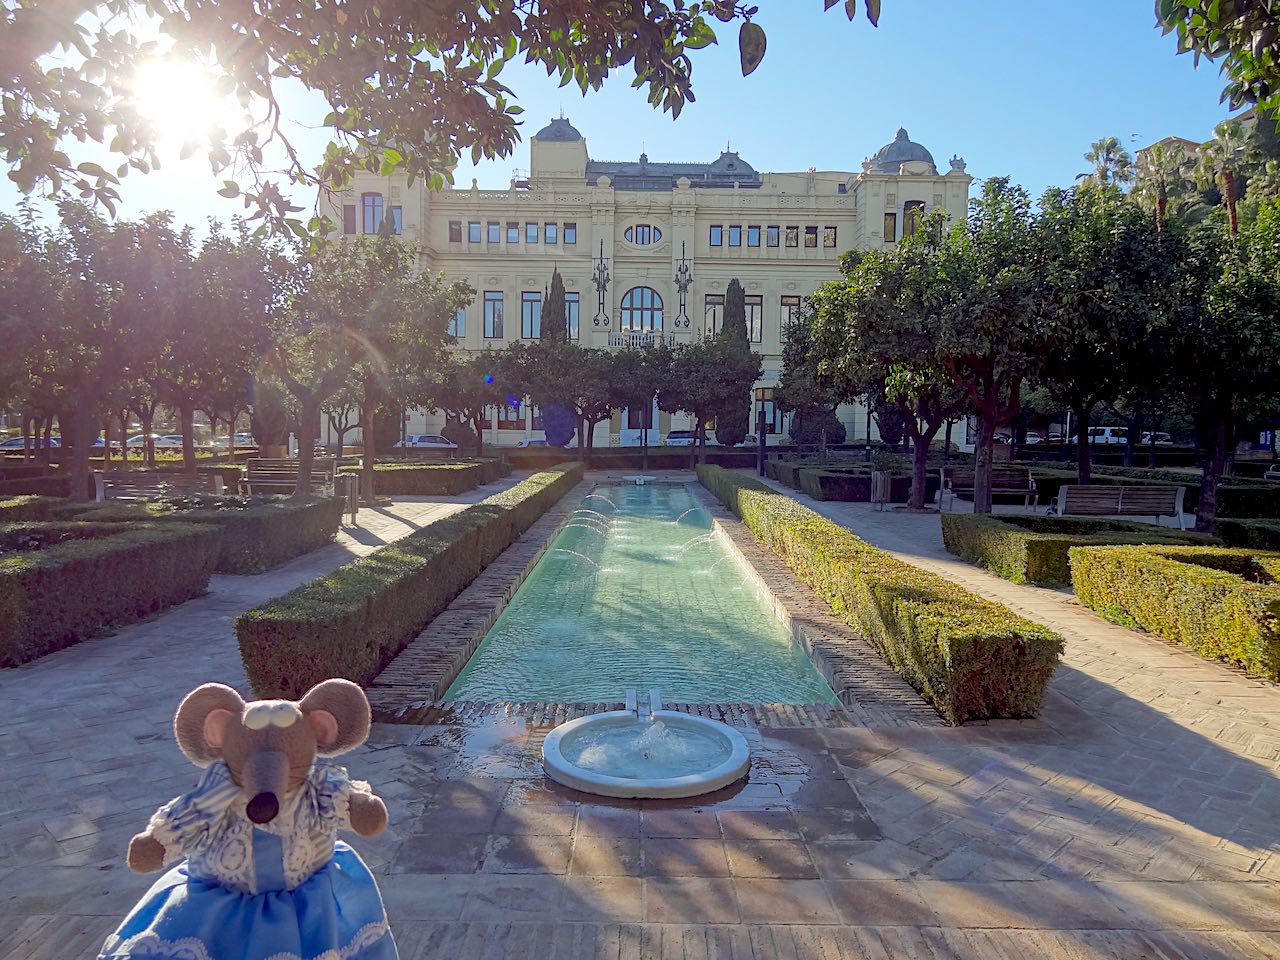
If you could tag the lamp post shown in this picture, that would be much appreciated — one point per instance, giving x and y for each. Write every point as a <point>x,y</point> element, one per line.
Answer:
<point>600,280</point>
<point>684,280</point>
<point>764,395</point>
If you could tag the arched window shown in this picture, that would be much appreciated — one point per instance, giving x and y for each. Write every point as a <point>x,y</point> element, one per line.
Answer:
<point>641,309</point>
<point>371,204</point>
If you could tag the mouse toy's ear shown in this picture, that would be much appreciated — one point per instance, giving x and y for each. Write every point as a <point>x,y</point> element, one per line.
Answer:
<point>202,721</point>
<point>338,712</point>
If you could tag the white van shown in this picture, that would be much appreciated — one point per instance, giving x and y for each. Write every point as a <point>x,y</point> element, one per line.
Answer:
<point>1108,434</point>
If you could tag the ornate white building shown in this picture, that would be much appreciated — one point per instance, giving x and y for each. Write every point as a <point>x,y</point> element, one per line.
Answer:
<point>646,249</point>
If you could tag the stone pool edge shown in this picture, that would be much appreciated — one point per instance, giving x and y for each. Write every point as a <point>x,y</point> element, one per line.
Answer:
<point>410,689</point>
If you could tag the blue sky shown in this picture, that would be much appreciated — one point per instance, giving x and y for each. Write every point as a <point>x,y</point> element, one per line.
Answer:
<point>1015,88</point>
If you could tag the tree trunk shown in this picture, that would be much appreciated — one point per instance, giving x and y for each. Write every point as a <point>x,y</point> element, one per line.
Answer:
<point>106,443</point>
<point>700,441</point>
<point>366,460</point>
<point>1229,195</point>
<point>985,453</point>
<point>1151,450</point>
<point>946,443</point>
<point>149,443</point>
<point>1084,463</point>
<point>920,467</point>
<point>1131,433</point>
<point>46,447</point>
<point>308,414</point>
<point>188,414</point>
<point>1219,453</point>
<point>81,423</point>
<point>1162,205</point>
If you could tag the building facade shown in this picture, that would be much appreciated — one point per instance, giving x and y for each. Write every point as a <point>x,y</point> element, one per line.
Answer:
<point>646,249</point>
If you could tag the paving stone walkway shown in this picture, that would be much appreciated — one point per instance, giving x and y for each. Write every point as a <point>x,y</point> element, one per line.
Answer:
<point>1139,817</point>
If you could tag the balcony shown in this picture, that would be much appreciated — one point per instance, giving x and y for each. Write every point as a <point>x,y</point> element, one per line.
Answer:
<point>636,338</point>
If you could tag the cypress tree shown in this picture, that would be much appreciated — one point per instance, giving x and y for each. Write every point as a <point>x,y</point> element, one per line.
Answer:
<point>554,325</point>
<point>733,419</point>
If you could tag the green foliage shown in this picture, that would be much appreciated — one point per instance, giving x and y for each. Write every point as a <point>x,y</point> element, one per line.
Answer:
<point>554,326</point>
<point>733,417</point>
<point>816,425</point>
<point>1241,34</point>
<point>1112,164</point>
<point>26,508</point>
<point>352,622</point>
<point>1034,549</point>
<point>968,657</point>
<point>1253,534</point>
<point>1223,604</point>
<point>95,577</point>
<point>435,479</point>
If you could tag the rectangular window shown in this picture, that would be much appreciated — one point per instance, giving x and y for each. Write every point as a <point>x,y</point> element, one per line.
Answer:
<point>571,313</point>
<point>753,236</point>
<point>397,220</point>
<point>510,418</point>
<point>473,231</point>
<point>570,233</point>
<point>455,231</point>
<point>912,211</point>
<point>537,418</point>
<point>793,236</point>
<point>717,235</point>
<point>714,313</point>
<point>771,236</point>
<point>530,233</point>
<point>371,205</point>
<point>890,227</point>
<point>790,310</point>
<point>458,325</point>
<point>493,314</point>
<point>810,236</point>
<point>530,315</point>
<point>349,218</point>
<point>772,418</point>
<point>549,231</point>
<point>735,236</point>
<point>755,317</point>
<point>493,232</point>
<point>829,237</point>
<point>513,232</point>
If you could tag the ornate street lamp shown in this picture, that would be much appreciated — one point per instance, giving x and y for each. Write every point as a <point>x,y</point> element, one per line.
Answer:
<point>684,280</point>
<point>764,397</point>
<point>600,279</point>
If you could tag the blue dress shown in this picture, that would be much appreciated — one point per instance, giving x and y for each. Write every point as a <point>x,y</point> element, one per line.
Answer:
<point>285,890</point>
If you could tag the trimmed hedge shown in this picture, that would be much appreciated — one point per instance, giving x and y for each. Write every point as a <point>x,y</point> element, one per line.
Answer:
<point>442,479</point>
<point>264,534</point>
<point>1256,534</point>
<point>1034,549</point>
<point>1237,496</point>
<point>352,622</point>
<point>1246,500</point>
<point>103,576</point>
<point>26,509</point>
<point>40,486</point>
<point>967,656</point>
<point>1222,603</point>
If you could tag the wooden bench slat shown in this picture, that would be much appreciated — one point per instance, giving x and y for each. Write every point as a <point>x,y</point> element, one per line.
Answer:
<point>1120,501</point>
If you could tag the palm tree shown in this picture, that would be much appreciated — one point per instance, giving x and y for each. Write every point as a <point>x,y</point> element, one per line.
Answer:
<point>1222,160</point>
<point>1163,171</point>
<point>1112,163</point>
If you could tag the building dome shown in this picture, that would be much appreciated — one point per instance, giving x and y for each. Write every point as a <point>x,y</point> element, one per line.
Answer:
<point>559,129</point>
<point>730,164</point>
<point>890,157</point>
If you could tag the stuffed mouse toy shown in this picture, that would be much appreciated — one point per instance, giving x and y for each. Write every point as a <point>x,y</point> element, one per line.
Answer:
<point>264,876</point>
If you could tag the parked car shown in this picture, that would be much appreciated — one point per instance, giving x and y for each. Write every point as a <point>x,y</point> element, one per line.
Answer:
<point>1002,437</point>
<point>1107,435</point>
<point>1162,438</point>
<point>15,443</point>
<point>1054,438</point>
<point>1033,438</point>
<point>679,438</point>
<point>170,442</point>
<point>426,441</point>
<point>532,442</point>
<point>242,440</point>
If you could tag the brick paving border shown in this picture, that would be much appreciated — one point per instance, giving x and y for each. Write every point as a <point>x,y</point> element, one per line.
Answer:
<point>412,687</point>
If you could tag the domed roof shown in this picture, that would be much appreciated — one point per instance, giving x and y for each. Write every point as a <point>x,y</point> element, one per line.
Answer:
<point>731,164</point>
<point>558,129</point>
<point>890,157</point>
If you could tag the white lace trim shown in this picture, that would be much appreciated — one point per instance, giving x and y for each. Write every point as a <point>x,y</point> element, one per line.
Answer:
<point>191,948</point>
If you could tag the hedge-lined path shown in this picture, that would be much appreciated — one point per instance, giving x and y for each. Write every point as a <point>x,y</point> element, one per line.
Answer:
<point>1111,828</point>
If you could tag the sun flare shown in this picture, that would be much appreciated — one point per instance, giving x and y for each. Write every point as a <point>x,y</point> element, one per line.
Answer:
<point>180,99</point>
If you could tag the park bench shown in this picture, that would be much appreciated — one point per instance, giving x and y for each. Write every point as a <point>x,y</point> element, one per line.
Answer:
<point>1007,481</point>
<point>151,484</point>
<point>271,475</point>
<point>1081,500</point>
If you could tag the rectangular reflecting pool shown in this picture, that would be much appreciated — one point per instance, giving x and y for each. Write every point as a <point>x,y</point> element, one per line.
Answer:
<point>636,591</point>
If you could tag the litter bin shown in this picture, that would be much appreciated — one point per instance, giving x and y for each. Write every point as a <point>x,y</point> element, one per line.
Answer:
<point>347,486</point>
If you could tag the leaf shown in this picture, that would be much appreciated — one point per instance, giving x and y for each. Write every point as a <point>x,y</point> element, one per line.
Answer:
<point>751,46</point>
<point>851,8</point>
<point>230,189</point>
<point>828,4</point>
<point>873,12</point>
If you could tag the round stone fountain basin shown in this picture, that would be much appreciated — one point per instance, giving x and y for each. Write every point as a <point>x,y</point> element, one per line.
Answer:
<point>618,754</point>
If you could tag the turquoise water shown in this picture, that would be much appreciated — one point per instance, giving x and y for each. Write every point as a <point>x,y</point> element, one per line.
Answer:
<point>636,592</point>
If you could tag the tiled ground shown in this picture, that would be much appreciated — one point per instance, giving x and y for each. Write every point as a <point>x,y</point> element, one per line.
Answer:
<point>1137,818</point>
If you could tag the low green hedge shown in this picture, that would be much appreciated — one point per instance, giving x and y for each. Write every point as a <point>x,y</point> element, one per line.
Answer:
<point>1248,500</point>
<point>1255,534</point>
<point>352,622</point>
<point>1237,496</point>
<point>1034,549</point>
<point>40,486</point>
<point>1222,603</point>
<point>94,576</point>
<point>968,657</point>
<point>27,508</point>
<point>259,533</point>
<point>853,485</point>
<point>443,479</point>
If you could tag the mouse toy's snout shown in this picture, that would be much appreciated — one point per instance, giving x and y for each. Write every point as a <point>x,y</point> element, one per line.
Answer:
<point>262,808</point>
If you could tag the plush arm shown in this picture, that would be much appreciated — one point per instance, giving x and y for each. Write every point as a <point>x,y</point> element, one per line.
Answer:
<point>367,813</point>
<point>146,853</point>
